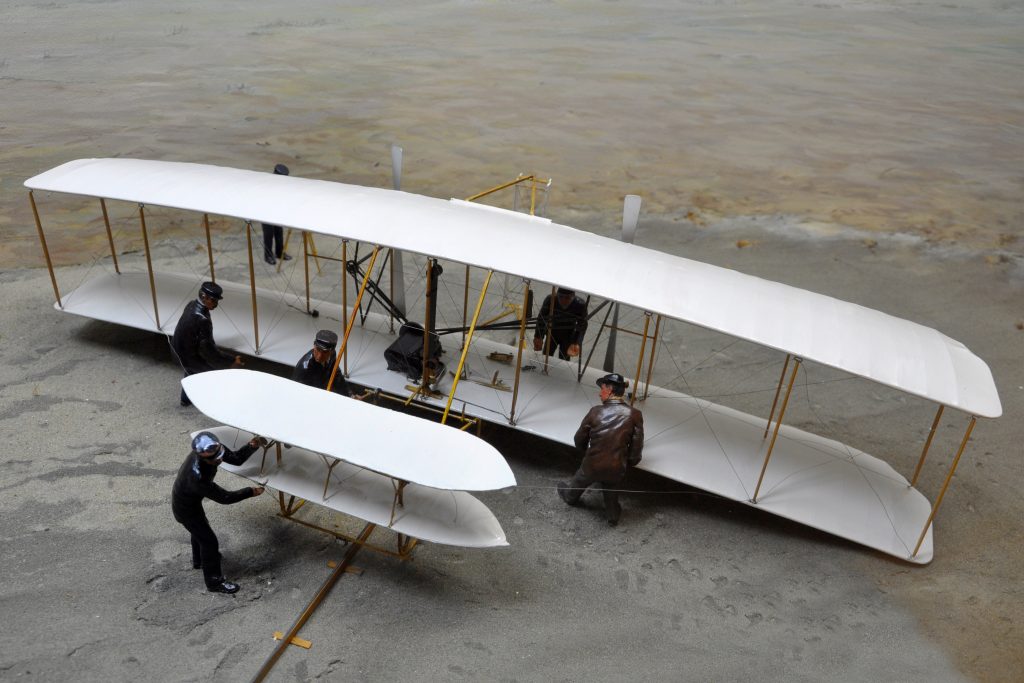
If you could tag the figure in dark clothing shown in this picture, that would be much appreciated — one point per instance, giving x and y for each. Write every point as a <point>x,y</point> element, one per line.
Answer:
<point>314,368</point>
<point>611,437</point>
<point>273,235</point>
<point>193,343</point>
<point>195,482</point>
<point>567,320</point>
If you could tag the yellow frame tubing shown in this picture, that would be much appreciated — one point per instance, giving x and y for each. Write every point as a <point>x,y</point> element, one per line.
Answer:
<point>327,480</point>
<point>465,346</point>
<point>519,354</point>
<point>640,360</point>
<point>654,350</point>
<point>350,555</point>
<point>352,319</point>
<point>497,188</point>
<point>209,245</point>
<point>305,264</point>
<point>510,309</point>
<point>316,256</point>
<point>775,401</point>
<point>775,434</point>
<point>945,485</point>
<point>149,263</point>
<point>927,444</point>
<point>46,250</point>
<point>110,235</point>
<point>252,287</point>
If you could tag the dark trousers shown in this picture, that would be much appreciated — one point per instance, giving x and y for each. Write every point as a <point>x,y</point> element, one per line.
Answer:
<point>561,345</point>
<point>272,234</point>
<point>579,483</point>
<point>185,400</point>
<point>205,549</point>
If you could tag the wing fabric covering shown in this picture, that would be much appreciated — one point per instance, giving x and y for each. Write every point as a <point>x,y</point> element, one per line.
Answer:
<point>391,443</point>
<point>865,342</point>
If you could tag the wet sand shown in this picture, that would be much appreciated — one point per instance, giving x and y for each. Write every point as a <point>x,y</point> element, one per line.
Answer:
<point>867,150</point>
<point>898,117</point>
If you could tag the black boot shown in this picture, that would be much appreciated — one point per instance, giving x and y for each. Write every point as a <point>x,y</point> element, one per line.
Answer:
<point>612,509</point>
<point>222,585</point>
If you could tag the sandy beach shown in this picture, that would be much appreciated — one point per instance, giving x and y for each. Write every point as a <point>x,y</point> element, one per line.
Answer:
<point>866,150</point>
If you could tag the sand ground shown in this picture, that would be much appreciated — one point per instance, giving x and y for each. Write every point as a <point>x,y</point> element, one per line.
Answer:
<point>866,150</point>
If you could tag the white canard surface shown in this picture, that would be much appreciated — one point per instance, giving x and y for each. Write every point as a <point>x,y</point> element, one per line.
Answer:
<point>391,443</point>
<point>889,350</point>
<point>447,517</point>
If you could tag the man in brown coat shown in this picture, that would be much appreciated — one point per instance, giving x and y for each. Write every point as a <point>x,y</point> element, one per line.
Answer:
<point>611,437</point>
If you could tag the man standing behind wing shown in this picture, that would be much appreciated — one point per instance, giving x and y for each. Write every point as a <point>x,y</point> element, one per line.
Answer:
<point>314,368</point>
<point>566,319</point>
<point>611,437</point>
<point>193,343</point>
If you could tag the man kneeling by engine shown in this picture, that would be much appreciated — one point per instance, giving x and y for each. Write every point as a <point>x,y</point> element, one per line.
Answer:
<point>195,482</point>
<point>611,437</point>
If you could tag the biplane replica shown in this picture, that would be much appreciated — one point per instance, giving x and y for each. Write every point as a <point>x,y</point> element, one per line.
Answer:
<point>757,460</point>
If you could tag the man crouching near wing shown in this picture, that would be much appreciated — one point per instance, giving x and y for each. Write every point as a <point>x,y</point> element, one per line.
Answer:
<point>611,437</point>
<point>195,482</point>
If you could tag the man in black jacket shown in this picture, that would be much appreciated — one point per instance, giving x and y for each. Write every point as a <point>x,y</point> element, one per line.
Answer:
<point>611,437</point>
<point>193,343</point>
<point>566,318</point>
<point>195,482</point>
<point>314,368</point>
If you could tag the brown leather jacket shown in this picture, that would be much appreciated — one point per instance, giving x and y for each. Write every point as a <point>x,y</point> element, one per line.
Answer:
<point>611,437</point>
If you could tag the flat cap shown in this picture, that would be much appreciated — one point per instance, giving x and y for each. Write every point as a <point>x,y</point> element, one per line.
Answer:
<point>212,290</point>
<point>326,340</point>
<point>615,379</point>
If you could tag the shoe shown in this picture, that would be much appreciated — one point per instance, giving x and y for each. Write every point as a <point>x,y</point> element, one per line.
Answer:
<point>223,587</point>
<point>270,259</point>
<point>563,493</point>
<point>196,565</point>
<point>613,514</point>
<point>286,257</point>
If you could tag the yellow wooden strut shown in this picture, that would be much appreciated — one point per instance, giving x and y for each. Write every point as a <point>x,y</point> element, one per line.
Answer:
<point>149,263</point>
<point>46,251</point>
<point>110,235</point>
<point>465,346</point>
<point>775,434</point>
<point>352,319</point>
<point>945,485</point>
<point>252,288</point>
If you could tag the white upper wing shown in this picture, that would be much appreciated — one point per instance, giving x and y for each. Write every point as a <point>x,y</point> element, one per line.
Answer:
<point>382,440</point>
<point>889,350</point>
